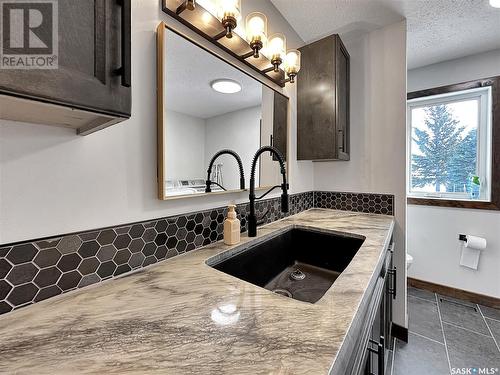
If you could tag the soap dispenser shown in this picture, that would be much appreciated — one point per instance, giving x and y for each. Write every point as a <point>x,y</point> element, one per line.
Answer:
<point>231,227</point>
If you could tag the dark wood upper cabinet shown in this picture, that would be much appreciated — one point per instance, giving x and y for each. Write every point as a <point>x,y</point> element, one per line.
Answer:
<point>90,89</point>
<point>323,101</point>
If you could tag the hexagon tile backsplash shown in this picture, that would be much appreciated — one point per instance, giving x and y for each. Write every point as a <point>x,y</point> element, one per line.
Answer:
<point>36,270</point>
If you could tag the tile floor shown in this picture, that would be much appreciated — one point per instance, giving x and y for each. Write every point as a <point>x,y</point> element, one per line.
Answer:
<point>447,336</point>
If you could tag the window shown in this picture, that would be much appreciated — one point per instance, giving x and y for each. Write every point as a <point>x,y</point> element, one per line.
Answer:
<point>449,145</point>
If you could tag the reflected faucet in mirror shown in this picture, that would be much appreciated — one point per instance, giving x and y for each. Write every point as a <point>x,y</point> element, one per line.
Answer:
<point>198,118</point>
<point>209,183</point>
<point>252,218</point>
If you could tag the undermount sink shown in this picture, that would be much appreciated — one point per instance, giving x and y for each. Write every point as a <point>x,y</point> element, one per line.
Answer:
<point>300,263</point>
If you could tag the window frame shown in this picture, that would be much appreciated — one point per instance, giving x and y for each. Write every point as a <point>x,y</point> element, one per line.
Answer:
<point>483,164</point>
<point>494,168</point>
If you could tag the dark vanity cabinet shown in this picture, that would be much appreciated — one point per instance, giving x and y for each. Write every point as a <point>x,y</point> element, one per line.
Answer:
<point>90,88</point>
<point>323,101</point>
<point>374,338</point>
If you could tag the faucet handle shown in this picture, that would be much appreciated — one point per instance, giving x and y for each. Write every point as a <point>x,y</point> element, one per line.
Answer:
<point>261,220</point>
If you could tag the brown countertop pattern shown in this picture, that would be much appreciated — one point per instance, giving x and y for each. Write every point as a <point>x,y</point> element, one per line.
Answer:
<point>182,317</point>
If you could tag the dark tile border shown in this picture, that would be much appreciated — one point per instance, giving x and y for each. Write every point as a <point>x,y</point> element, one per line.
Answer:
<point>32,271</point>
<point>359,202</point>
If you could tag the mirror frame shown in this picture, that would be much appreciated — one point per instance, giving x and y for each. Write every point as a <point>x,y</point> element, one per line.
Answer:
<point>161,113</point>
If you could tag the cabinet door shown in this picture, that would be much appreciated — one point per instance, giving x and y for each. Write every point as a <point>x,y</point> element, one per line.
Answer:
<point>316,102</point>
<point>89,56</point>
<point>323,101</point>
<point>343,101</point>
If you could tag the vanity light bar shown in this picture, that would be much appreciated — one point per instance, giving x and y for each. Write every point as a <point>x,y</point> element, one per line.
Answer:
<point>205,16</point>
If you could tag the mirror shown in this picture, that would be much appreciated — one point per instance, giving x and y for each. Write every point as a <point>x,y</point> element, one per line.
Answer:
<point>205,105</point>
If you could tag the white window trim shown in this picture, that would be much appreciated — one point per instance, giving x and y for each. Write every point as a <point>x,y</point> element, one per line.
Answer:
<point>484,94</point>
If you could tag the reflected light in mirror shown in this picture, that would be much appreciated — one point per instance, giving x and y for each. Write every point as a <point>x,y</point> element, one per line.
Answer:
<point>495,3</point>
<point>225,314</point>
<point>226,86</point>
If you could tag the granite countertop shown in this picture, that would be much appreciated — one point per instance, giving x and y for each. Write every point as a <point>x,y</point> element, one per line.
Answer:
<point>182,317</point>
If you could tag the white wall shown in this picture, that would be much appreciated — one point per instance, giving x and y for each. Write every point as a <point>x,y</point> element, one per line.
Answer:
<point>378,132</point>
<point>468,68</point>
<point>53,181</point>
<point>185,144</point>
<point>433,231</point>
<point>239,131</point>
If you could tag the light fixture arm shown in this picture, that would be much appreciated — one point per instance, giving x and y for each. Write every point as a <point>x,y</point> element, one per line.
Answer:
<point>229,23</point>
<point>186,5</point>
<point>256,47</point>
<point>291,78</point>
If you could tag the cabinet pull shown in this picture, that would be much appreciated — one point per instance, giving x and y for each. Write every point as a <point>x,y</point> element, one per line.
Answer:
<point>393,273</point>
<point>340,141</point>
<point>380,352</point>
<point>391,247</point>
<point>124,70</point>
<point>100,41</point>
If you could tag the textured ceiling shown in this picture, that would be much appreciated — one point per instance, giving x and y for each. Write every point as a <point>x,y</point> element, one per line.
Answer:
<point>438,30</point>
<point>189,72</point>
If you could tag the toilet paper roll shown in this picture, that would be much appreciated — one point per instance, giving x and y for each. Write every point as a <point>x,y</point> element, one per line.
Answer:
<point>473,242</point>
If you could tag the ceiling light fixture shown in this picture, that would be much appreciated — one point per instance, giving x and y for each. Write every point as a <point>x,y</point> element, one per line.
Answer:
<point>226,86</point>
<point>495,3</point>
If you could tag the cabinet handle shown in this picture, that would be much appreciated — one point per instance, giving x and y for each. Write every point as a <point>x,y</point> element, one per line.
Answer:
<point>393,273</point>
<point>380,352</point>
<point>124,70</point>
<point>100,41</point>
<point>340,141</point>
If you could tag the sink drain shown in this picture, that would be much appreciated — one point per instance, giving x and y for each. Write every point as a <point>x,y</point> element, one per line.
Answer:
<point>297,275</point>
<point>283,292</point>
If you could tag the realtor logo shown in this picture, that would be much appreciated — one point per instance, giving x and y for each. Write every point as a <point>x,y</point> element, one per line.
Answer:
<point>29,34</point>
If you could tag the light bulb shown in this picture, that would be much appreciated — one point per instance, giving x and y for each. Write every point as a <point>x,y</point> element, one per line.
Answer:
<point>229,8</point>
<point>256,27</point>
<point>277,47</point>
<point>495,3</point>
<point>228,12</point>
<point>292,62</point>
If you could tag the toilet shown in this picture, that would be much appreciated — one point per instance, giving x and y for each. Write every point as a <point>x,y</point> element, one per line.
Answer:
<point>409,261</point>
